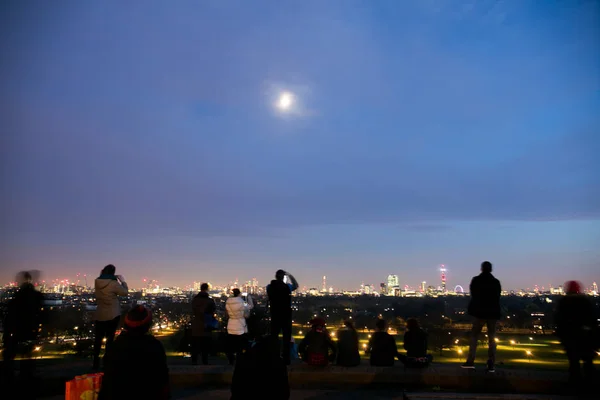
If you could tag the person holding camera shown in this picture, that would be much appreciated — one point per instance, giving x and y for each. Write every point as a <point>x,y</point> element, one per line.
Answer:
<point>279,292</point>
<point>108,288</point>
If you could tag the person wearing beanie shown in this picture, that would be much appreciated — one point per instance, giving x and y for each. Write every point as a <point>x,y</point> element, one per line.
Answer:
<point>317,348</point>
<point>577,328</point>
<point>136,364</point>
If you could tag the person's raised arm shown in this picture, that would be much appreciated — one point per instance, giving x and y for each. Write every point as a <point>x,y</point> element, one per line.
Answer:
<point>121,287</point>
<point>294,282</point>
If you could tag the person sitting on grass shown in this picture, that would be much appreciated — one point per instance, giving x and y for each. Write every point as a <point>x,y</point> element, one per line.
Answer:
<point>382,347</point>
<point>415,344</point>
<point>348,355</point>
<point>136,363</point>
<point>317,348</point>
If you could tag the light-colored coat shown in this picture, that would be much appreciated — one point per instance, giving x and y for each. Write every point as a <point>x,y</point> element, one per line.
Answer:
<point>237,311</point>
<point>107,298</point>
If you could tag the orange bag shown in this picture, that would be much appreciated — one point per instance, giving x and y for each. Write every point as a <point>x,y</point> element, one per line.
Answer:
<point>84,387</point>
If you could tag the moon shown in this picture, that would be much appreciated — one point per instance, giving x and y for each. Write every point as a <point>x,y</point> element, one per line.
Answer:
<point>285,102</point>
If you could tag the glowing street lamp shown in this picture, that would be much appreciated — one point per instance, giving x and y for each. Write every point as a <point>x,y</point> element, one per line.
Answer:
<point>529,355</point>
<point>512,342</point>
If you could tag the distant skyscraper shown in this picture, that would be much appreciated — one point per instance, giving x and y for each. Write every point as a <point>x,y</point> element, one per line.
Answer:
<point>443,277</point>
<point>382,288</point>
<point>423,287</point>
<point>324,288</point>
<point>594,287</point>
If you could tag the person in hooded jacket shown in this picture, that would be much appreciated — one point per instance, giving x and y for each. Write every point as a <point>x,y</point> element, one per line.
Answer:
<point>237,311</point>
<point>317,348</point>
<point>577,329</point>
<point>382,347</point>
<point>136,363</point>
<point>108,288</point>
<point>484,307</point>
<point>347,344</point>
<point>203,307</point>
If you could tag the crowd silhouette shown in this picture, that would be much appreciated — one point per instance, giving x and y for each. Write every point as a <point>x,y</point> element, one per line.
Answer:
<point>135,363</point>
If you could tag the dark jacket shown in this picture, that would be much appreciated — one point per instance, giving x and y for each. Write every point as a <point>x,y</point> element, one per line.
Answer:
<point>575,320</point>
<point>415,343</point>
<point>347,344</point>
<point>383,350</point>
<point>280,299</point>
<point>201,304</point>
<point>24,314</point>
<point>260,373</point>
<point>319,342</point>
<point>485,297</point>
<point>135,368</point>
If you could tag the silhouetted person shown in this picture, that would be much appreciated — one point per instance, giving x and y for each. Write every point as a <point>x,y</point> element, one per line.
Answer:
<point>382,347</point>
<point>485,309</point>
<point>135,366</point>
<point>347,344</point>
<point>21,329</point>
<point>108,288</point>
<point>280,302</point>
<point>260,372</point>
<point>415,344</point>
<point>203,307</point>
<point>237,310</point>
<point>317,348</point>
<point>576,326</point>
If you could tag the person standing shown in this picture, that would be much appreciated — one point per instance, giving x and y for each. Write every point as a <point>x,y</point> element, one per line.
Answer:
<point>484,307</point>
<point>203,307</point>
<point>136,364</point>
<point>237,310</point>
<point>576,327</point>
<point>108,288</point>
<point>21,330</point>
<point>280,300</point>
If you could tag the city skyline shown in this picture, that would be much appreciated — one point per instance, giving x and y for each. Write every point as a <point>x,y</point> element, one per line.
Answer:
<point>347,139</point>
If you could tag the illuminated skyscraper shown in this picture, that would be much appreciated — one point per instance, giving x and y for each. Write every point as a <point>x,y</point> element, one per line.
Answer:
<point>594,288</point>
<point>324,288</point>
<point>443,276</point>
<point>423,286</point>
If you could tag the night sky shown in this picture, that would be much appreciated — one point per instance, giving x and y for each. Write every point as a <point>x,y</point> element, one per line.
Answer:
<point>149,134</point>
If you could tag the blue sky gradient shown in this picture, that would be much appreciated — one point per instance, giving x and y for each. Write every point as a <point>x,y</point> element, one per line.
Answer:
<point>144,134</point>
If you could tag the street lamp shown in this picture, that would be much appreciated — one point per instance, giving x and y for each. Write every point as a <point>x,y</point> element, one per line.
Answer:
<point>512,342</point>
<point>529,355</point>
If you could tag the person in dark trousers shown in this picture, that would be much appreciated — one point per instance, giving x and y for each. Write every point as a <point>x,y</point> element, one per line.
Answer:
<point>203,307</point>
<point>237,311</point>
<point>382,347</point>
<point>317,348</point>
<point>260,372</point>
<point>135,366</point>
<point>415,344</point>
<point>484,307</point>
<point>108,288</point>
<point>280,302</point>
<point>347,344</point>
<point>577,328</point>
<point>21,328</point>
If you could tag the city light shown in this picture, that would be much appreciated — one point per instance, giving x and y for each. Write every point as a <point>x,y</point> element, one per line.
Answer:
<point>460,351</point>
<point>299,332</point>
<point>530,338</point>
<point>496,340</point>
<point>364,345</point>
<point>37,348</point>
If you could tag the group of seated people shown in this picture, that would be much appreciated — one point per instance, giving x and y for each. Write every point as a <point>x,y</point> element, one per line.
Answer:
<point>318,348</point>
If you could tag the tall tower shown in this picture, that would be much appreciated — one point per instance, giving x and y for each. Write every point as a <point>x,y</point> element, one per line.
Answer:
<point>443,276</point>
<point>423,286</point>
<point>324,288</point>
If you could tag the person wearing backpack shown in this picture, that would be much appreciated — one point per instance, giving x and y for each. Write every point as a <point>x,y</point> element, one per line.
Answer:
<point>237,311</point>
<point>108,288</point>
